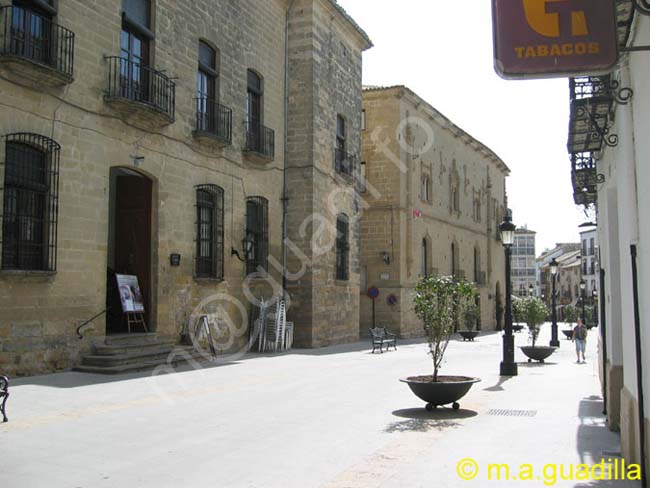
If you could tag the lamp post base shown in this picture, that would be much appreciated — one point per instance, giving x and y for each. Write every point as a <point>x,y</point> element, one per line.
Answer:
<point>554,343</point>
<point>508,369</point>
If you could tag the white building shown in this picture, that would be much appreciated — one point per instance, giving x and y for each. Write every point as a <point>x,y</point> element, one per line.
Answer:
<point>589,260</point>
<point>610,148</point>
<point>523,270</point>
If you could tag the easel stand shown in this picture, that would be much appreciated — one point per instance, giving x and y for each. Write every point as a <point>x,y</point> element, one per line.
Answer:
<point>135,318</point>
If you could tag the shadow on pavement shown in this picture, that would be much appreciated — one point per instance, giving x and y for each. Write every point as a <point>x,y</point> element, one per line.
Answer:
<point>499,385</point>
<point>535,364</point>
<point>420,420</point>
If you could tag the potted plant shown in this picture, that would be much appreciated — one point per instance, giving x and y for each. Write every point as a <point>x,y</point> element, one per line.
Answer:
<point>440,303</point>
<point>534,312</point>
<point>517,314</point>
<point>571,315</point>
<point>470,317</point>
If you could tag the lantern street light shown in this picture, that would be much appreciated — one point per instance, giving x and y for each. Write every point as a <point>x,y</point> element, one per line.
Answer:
<point>508,365</point>
<point>531,290</point>
<point>554,340</point>
<point>583,287</point>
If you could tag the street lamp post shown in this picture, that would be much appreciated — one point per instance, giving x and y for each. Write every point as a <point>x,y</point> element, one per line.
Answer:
<point>594,300</point>
<point>583,287</point>
<point>531,290</point>
<point>508,365</point>
<point>554,340</point>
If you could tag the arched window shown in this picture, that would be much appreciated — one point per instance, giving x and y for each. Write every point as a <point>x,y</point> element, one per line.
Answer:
<point>209,232</point>
<point>30,203</point>
<point>342,247</point>
<point>254,98</point>
<point>256,241</point>
<point>207,91</point>
<point>477,266</point>
<point>426,188</point>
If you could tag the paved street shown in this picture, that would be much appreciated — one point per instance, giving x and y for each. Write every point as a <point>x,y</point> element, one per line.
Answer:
<point>335,417</point>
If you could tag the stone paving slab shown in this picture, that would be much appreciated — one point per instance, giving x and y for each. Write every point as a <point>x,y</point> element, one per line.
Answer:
<point>336,417</point>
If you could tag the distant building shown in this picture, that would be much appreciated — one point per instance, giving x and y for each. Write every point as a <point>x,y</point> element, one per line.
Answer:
<point>433,198</point>
<point>523,270</point>
<point>589,260</point>
<point>542,266</point>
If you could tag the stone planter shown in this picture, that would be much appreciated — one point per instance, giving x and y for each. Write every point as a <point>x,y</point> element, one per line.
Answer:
<point>447,390</point>
<point>469,335</point>
<point>517,328</point>
<point>537,353</point>
<point>568,333</point>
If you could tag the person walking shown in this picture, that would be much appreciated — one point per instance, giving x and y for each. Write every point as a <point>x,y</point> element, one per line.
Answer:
<point>580,338</point>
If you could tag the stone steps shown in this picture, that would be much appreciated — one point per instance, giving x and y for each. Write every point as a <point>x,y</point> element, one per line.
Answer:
<point>134,352</point>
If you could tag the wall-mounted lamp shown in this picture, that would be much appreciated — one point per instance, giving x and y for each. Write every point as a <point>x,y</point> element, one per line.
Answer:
<point>386,257</point>
<point>247,246</point>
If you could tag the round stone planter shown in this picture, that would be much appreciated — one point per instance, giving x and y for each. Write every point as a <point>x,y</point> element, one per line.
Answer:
<point>447,390</point>
<point>537,353</point>
<point>468,335</point>
<point>517,328</point>
<point>568,333</point>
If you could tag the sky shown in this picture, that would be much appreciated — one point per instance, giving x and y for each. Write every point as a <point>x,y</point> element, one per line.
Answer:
<point>442,50</point>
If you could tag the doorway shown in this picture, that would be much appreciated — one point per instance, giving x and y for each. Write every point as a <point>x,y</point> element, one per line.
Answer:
<point>129,243</point>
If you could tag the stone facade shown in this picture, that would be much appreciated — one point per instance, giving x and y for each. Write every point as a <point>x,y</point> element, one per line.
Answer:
<point>434,198</point>
<point>39,312</point>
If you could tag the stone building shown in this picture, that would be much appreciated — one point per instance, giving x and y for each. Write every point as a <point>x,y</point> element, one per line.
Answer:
<point>523,262</point>
<point>543,268</point>
<point>432,201</point>
<point>589,257</point>
<point>179,142</point>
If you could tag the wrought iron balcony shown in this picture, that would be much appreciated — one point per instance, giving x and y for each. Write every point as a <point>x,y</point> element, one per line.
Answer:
<point>133,86</point>
<point>592,105</point>
<point>344,163</point>
<point>213,121</point>
<point>458,274</point>
<point>584,177</point>
<point>36,48</point>
<point>260,141</point>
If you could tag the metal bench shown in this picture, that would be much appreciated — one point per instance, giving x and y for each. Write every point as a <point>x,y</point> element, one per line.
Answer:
<point>4,395</point>
<point>380,338</point>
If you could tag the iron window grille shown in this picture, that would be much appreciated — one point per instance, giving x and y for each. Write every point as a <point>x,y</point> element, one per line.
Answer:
<point>342,247</point>
<point>257,234</point>
<point>209,232</point>
<point>28,34</point>
<point>30,203</point>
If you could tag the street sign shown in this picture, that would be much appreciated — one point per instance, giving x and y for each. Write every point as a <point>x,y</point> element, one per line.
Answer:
<point>554,38</point>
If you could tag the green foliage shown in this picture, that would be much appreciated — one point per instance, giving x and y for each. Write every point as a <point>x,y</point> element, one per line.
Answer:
<point>571,314</point>
<point>472,315</point>
<point>440,303</point>
<point>518,310</point>
<point>534,312</point>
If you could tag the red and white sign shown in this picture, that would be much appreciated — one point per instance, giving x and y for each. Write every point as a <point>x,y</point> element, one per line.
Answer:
<point>417,213</point>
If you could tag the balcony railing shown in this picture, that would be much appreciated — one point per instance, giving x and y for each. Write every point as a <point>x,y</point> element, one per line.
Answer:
<point>584,178</point>
<point>32,37</point>
<point>260,140</point>
<point>213,120</point>
<point>458,274</point>
<point>137,83</point>
<point>344,163</point>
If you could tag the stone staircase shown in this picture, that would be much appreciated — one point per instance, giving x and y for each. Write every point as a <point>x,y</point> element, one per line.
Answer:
<point>127,353</point>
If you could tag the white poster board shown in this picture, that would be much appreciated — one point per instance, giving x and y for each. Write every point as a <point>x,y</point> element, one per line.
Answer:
<point>130,294</point>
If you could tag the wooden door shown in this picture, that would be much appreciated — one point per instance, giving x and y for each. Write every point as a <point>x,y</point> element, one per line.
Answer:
<point>133,233</point>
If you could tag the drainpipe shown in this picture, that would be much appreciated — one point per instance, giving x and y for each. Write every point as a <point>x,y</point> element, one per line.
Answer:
<point>603,334</point>
<point>639,363</point>
<point>285,189</point>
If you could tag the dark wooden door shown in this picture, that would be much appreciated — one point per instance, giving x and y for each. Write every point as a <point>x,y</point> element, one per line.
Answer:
<point>133,233</point>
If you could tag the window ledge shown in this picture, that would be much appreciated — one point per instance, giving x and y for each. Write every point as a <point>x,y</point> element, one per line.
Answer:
<point>205,280</point>
<point>27,275</point>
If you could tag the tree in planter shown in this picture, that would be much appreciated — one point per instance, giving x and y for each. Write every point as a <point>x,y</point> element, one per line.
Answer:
<point>518,310</point>
<point>471,315</point>
<point>571,314</point>
<point>441,303</point>
<point>534,313</point>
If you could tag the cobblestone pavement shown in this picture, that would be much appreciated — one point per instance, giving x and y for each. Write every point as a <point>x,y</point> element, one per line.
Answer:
<point>336,417</point>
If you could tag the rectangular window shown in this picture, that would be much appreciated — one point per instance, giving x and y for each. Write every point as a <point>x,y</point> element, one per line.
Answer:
<point>342,248</point>
<point>30,203</point>
<point>363,120</point>
<point>256,242</point>
<point>209,232</point>
<point>342,161</point>
<point>362,178</point>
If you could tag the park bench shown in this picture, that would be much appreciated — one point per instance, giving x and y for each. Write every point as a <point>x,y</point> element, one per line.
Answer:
<point>4,394</point>
<point>380,338</point>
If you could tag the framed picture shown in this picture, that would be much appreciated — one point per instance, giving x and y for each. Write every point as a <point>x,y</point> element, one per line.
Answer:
<point>130,295</point>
